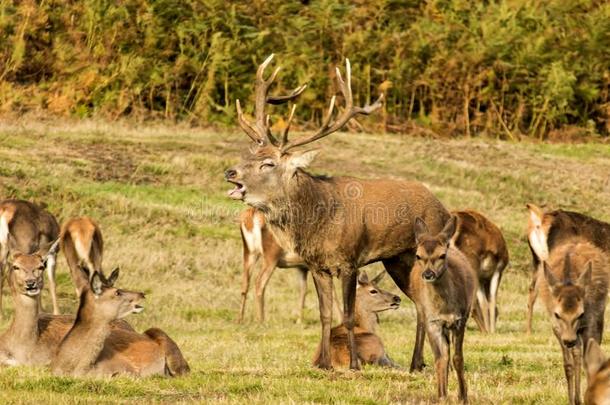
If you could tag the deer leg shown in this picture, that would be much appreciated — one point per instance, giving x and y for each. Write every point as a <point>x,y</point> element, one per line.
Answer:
<point>439,342</point>
<point>417,361</point>
<point>493,294</point>
<point>261,284</point>
<point>302,276</point>
<point>1,288</point>
<point>458,360</point>
<point>531,300</point>
<point>577,358</point>
<point>568,368</point>
<point>482,308</point>
<point>249,262</point>
<point>476,315</point>
<point>349,282</point>
<point>50,267</point>
<point>324,288</point>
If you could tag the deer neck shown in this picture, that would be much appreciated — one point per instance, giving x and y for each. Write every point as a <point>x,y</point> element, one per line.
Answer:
<point>83,344</point>
<point>365,319</point>
<point>23,331</point>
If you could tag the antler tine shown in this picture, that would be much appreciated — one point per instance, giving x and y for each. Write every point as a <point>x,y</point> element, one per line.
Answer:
<point>348,113</point>
<point>285,132</point>
<point>276,100</point>
<point>247,126</point>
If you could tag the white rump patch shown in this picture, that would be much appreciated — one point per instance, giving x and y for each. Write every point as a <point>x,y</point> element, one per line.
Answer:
<point>537,240</point>
<point>3,230</point>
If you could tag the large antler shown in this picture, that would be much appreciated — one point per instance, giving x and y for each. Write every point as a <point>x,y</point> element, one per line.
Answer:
<point>328,124</point>
<point>260,132</point>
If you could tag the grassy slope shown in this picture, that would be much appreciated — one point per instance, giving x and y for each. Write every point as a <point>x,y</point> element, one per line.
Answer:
<point>159,195</point>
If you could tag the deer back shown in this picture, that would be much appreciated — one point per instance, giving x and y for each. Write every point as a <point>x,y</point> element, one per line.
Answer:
<point>30,227</point>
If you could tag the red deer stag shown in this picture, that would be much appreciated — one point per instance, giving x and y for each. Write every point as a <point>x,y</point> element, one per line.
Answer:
<point>481,241</point>
<point>443,285</point>
<point>30,229</point>
<point>335,224</point>
<point>574,288</point>
<point>548,229</point>
<point>370,300</point>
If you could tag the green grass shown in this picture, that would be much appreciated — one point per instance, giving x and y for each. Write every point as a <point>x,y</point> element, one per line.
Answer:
<point>159,195</point>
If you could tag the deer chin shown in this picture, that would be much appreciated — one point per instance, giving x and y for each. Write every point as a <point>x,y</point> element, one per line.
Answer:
<point>238,192</point>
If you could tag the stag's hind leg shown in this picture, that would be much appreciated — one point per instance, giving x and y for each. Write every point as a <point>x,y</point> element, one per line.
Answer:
<point>175,363</point>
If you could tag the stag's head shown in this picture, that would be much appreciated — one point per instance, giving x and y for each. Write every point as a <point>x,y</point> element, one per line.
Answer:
<point>373,298</point>
<point>271,163</point>
<point>568,301</point>
<point>431,253</point>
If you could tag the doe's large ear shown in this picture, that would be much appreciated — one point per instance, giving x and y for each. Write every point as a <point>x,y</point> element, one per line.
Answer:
<point>551,280</point>
<point>420,228</point>
<point>97,283</point>
<point>594,358</point>
<point>301,160</point>
<point>113,277</point>
<point>449,228</point>
<point>585,278</point>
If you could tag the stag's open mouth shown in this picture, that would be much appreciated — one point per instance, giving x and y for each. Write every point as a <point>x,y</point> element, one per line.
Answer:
<point>238,192</point>
<point>137,309</point>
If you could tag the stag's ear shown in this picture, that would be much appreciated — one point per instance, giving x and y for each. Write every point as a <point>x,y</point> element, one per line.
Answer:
<point>301,160</point>
<point>449,229</point>
<point>420,228</point>
<point>97,284</point>
<point>585,278</point>
<point>536,214</point>
<point>594,358</point>
<point>113,277</point>
<point>363,278</point>
<point>548,275</point>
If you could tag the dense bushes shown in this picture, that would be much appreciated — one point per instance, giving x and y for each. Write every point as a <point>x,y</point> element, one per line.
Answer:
<point>502,68</point>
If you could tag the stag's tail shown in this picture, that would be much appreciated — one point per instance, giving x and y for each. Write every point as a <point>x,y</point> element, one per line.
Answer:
<point>175,363</point>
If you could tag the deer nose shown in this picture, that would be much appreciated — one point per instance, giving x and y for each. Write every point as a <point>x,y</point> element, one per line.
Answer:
<point>396,299</point>
<point>428,275</point>
<point>569,343</point>
<point>230,174</point>
<point>30,283</point>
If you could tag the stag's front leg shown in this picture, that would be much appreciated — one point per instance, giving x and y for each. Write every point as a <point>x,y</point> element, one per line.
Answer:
<point>324,287</point>
<point>349,281</point>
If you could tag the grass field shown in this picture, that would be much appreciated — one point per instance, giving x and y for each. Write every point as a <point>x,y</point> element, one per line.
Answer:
<point>159,195</point>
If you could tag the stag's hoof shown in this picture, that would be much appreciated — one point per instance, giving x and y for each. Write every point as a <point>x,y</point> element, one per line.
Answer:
<point>417,367</point>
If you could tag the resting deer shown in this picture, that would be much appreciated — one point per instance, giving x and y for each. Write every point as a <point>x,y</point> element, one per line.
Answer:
<point>370,300</point>
<point>335,224</point>
<point>574,287</point>
<point>598,375</point>
<point>30,228</point>
<point>258,241</point>
<point>481,241</point>
<point>83,246</point>
<point>548,229</point>
<point>33,337</point>
<point>443,285</point>
<point>93,347</point>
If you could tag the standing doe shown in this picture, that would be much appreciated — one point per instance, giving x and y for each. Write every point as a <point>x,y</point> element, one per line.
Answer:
<point>548,229</point>
<point>574,288</point>
<point>370,300</point>
<point>335,224</point>
<point>481,241</point>
<point>29,229</point>
<point>443,285</point>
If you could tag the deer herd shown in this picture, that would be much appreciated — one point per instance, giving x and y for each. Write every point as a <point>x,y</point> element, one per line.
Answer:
<point>450,264</point>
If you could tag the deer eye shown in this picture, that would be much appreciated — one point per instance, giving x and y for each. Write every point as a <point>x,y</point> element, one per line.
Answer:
<point>15,268</point>
<point>417,257</point>
<point>118,293</point>
<point>373,291</point>
<point>442,257</point>
<point>267,165</point>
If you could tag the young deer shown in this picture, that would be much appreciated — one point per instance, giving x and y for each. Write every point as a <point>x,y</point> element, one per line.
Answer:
<point>443,285</point>
<point>258,241</point>
<point>30,229</point>
<point>370,300</point>
<point>548,229</point>
<point>93,347</point>
<point>83,246</point>
<point>598,375</point>
<point>574,287</point>
<point>481,241</point>
<point>335,224</point>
